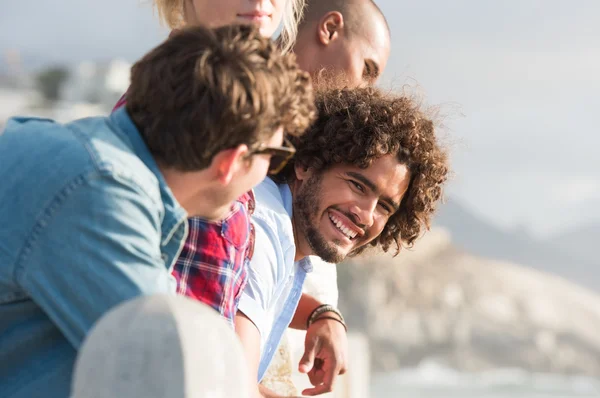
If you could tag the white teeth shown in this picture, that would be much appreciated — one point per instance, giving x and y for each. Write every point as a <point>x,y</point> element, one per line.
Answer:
<point>346,231</point>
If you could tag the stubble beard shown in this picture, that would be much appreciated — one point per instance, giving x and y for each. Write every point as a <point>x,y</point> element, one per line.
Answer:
<point>306,216</point>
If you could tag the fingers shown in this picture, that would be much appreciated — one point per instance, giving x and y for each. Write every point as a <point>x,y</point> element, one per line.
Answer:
<point>324,357</point>
<point>328,374</point>
<point>342,365</point>
<point>316,375</point>
<point>308,359</point>
<point>327,386</point>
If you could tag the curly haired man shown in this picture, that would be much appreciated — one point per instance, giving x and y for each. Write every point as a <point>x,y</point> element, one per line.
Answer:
<point>368,173</point>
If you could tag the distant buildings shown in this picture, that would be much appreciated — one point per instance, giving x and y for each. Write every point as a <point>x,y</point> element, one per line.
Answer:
<point>91,89</point>
<point>13,102</point>
<point>97,83</point>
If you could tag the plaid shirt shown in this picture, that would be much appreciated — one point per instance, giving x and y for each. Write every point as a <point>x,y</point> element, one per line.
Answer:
<point>212,266</point>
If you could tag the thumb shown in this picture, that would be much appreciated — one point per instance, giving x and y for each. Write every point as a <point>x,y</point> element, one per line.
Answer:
<point>308,359</point>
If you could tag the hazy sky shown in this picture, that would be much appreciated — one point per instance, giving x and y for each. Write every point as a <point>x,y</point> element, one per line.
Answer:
<point>526,75</point>
<point>520,79</point>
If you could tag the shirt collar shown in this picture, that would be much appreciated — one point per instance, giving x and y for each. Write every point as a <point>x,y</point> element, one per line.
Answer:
<point>175,215</point>
<point>287,200</point>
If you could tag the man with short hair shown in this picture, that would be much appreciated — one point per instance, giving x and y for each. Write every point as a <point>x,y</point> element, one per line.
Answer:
<point>343,42</point>
<point>368,173</point>
<point>93,212</point>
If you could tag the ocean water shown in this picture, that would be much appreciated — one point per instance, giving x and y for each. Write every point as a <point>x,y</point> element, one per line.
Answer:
<point>431,380</point>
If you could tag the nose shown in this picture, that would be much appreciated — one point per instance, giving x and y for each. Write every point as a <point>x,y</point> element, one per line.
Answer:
<point>364,211</point>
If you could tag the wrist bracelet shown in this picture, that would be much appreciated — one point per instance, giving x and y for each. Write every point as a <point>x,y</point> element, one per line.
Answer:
<point>320,310</point>
<point>333,319</point>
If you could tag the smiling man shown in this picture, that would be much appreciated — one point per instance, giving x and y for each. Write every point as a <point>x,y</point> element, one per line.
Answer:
<point>369,172</point>
<point>353,209</point>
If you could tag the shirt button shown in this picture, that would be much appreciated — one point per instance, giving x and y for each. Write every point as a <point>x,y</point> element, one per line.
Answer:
<point>164,257</point>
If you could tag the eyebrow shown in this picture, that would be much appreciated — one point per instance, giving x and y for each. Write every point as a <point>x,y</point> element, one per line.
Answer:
<point>371,185</point>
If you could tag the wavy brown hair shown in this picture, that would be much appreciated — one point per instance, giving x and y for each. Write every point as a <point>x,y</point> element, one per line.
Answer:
<point>361,125</point>
<point>206,90</point>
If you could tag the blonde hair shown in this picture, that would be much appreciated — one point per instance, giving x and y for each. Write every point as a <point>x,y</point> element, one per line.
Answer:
<point>171,13</point>
<point>292,15</point>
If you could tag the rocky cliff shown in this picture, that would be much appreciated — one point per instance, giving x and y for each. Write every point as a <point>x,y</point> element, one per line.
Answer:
<point>438,302</point>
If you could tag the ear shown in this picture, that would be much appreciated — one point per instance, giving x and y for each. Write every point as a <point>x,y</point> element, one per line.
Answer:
<point>302,171</point>
<point>227,163</point>
<point>330,27</point>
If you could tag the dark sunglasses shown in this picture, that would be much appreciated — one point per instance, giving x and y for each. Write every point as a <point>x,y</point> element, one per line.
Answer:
<point>280,155</point>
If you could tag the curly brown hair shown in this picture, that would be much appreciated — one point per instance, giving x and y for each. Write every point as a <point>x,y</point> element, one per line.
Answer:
<point>206,90</point>
<point>361,125</point>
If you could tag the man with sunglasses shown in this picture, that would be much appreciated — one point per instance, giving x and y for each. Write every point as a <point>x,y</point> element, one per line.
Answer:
<point>94,212</point>
<point>212,266</point>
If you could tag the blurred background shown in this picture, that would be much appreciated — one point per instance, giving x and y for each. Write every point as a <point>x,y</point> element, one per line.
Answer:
<point>501,297</point>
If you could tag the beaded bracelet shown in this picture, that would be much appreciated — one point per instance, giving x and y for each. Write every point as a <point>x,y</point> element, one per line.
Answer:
<point>333,319</point>
<point>320,310</point>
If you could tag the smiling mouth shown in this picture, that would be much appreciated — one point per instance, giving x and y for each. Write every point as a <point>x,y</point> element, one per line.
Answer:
<point>339,225</point>
<point>259,16</point>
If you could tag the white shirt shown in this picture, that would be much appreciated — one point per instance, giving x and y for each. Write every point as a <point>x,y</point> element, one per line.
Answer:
<point>275,281</point>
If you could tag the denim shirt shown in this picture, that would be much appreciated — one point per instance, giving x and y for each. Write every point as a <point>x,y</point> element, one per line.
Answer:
<point>86,222</point>
<point>275,280</point>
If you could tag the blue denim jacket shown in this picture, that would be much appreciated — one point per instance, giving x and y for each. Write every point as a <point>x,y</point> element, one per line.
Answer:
<point>86,222</point>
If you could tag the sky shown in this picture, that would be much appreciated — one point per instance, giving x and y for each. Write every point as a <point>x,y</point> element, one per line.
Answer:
<point>517,82</point>
<point>520,81</point>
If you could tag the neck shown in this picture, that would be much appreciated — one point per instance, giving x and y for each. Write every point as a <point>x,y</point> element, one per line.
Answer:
<point>196,193</point>
<point>299,252</point>
<point>302,247</point>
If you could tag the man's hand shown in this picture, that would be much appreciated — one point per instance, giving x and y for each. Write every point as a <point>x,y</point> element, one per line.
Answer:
<point>325,355</point>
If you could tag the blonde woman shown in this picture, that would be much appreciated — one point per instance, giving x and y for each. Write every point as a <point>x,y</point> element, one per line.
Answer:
<point>275,18</point>
<point>268,14</point>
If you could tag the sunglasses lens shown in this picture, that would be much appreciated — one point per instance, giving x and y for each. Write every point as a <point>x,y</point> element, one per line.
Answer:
<point>278,162</point>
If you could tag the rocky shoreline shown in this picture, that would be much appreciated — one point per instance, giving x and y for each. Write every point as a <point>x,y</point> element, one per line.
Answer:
<point>469,313</point>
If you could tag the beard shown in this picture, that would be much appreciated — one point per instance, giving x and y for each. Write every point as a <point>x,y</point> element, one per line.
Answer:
<point>306,217</point>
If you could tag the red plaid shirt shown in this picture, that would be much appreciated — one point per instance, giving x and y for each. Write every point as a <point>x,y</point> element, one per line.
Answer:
<point>212,266</point>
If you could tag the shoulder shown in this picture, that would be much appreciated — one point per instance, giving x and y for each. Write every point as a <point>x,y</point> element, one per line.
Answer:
<point>271,213</point>
<point>268,196</point>
<point>274,236</point>
<point>46,152</point>
<point>89,142</point>
<point>112,154</point>
<point>58,158</point>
